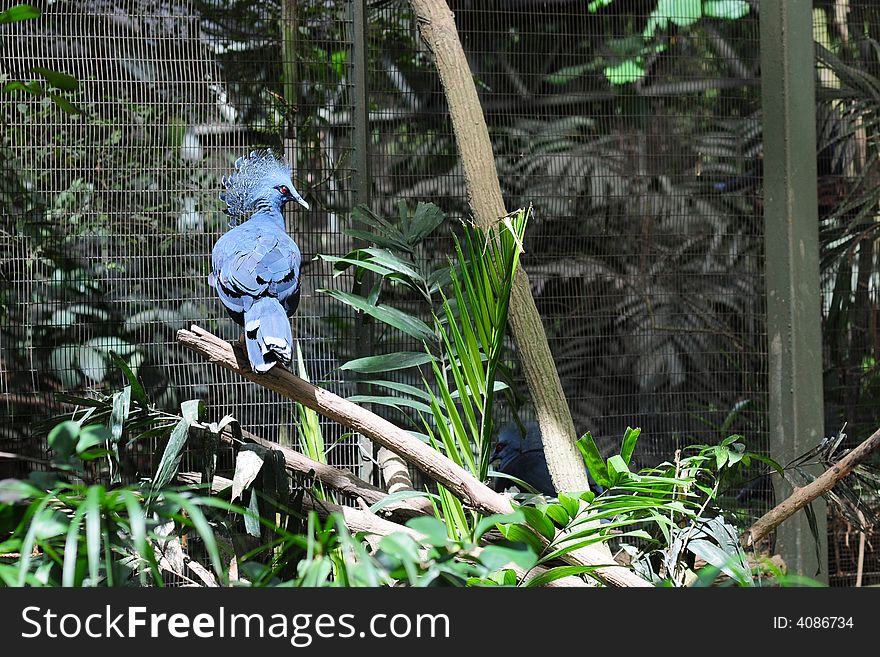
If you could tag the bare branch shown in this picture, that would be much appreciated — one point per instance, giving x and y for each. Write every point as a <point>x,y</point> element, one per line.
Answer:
<point>800,497</point>
<point>342,480</point>
<point>456,479</point>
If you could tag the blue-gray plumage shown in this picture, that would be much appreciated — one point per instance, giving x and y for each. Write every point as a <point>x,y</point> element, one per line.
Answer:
<point>255,266</point>
<point>522,456</point>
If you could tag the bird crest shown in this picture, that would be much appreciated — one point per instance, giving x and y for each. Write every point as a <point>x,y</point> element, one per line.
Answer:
<point>244,188</point>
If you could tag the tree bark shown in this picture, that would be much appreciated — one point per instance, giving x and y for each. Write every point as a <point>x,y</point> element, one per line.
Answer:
<point>456,479</point>
<point>437,27</point>
<point>395,472</point>
<point>800,497</point>
<point>341,480</point>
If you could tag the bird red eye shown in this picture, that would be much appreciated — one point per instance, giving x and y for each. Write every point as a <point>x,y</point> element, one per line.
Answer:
<point>284,190</point>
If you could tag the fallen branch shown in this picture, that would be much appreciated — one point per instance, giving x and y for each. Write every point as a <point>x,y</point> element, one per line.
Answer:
<point>802,496</point>
<point>456,479</point>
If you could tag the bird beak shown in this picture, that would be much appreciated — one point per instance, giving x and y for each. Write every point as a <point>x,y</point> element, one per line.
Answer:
<point>294,196</point>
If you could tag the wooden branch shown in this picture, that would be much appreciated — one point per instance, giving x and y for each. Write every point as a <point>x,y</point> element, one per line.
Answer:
<point>800,497</point>
<point>395,472</point>
<point>456,479</point>
<point>342,480</point>
<point>437,27</point>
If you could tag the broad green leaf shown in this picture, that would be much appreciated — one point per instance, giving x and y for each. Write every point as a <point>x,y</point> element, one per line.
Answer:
<point>48,523</point>
<point>439,278</point>
<point>33,87</point>
<point>387,362</point>
<point>398,319</point>
<point>390,400</point>
<point>426,218</point>
<point>400,545</point>
<point>628,71</point>
<point>432,528</point>
<point>386,258</point>
<point>618,469</point>
<point>713,555</point>
<point>496,556</point>
<point>170,461</point>
<point>596,5</point>
<point>137,389</point>
<point>570,504</point>
<point>594,461</point>
<point>680,12</point>
<point>57,79</point>
<point>20,12</point>
<point>629,444</point>
<point>539,522</point>
<point>119,414</point>
<point>379,240</point>
<point>522,534</point>
<point>558,514</point>
<point>727,9</point>
<point>488,522</point>
<point>568,73</point>
<point>94,434</point>
<point>405,388</point>
<point>341,264</point>
<point>192,409</point>
<point>767,460</point>
<point>63,439</point>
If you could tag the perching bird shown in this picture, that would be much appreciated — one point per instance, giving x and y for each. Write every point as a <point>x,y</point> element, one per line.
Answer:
<point>256,265</point>
<point>523,457</point>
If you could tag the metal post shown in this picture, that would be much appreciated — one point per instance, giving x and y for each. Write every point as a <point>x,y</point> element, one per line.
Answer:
<point>360,104</point>
<point>362,186</point>
<point>792,260</point>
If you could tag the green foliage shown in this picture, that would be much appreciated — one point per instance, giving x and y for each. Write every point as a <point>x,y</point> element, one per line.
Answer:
<point>848,114</point>
<point>86,534</point>
<point>59,84</point>
<point>466,343</point>
<point>630,61</point>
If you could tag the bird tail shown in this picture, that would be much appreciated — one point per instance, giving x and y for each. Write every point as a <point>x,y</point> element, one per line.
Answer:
<point>267,334</point>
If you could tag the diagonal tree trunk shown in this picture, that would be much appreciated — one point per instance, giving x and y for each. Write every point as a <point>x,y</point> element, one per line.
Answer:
<point>438,30</point>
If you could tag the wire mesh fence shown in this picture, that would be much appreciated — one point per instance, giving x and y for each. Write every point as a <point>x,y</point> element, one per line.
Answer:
<point>112,211</point>
<point>633,129</point>
<point>846,40</point>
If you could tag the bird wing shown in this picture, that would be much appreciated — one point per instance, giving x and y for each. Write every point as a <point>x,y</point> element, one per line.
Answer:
<point>248,265</point>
